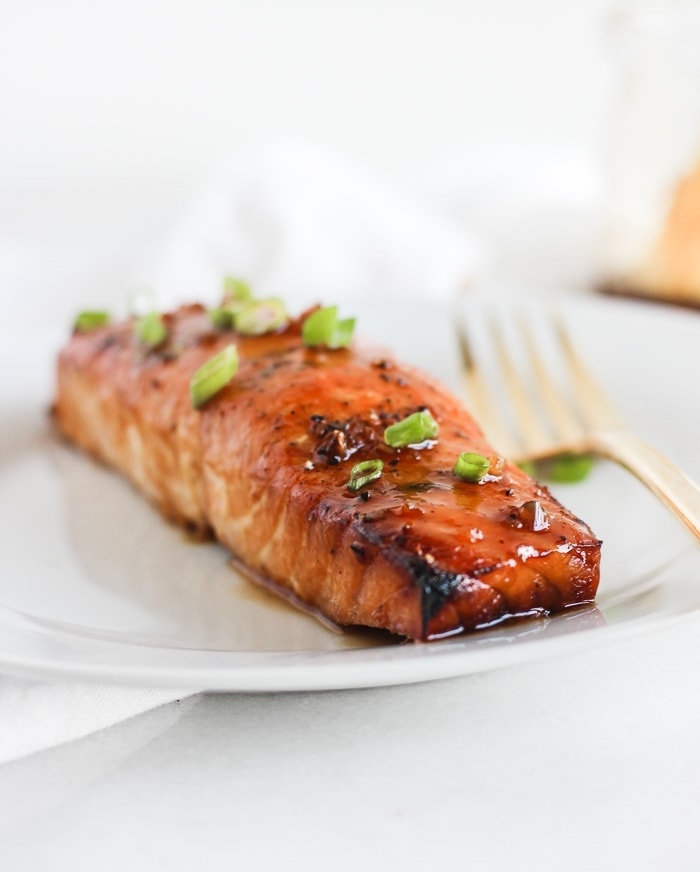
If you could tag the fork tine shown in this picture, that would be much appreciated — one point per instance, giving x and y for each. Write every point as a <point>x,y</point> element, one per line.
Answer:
<point>565,425</point>
<point>606,437</point>
<point>533,435</point>
<point>548,420</point>
<point>594,406</point>
<point>482,398</point>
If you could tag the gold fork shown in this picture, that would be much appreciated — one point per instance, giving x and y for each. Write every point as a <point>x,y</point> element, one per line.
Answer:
<point>548,421</point>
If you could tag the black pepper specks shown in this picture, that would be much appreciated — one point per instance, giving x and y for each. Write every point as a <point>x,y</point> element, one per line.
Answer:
<point>107,342</point>
<point>339,440</point>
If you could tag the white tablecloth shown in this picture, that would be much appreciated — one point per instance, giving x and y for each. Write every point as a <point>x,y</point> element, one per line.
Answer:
<point>589,762</point>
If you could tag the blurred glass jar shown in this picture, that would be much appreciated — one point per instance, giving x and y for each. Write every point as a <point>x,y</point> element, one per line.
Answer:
<point>652,220</point>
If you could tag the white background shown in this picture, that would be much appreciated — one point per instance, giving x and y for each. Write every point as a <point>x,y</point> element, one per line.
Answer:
<point>156,89</point>
<point>136,102</point>
<point>114,115</point>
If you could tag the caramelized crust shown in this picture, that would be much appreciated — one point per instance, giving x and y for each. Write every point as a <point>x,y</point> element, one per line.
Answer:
<point>264,465</point>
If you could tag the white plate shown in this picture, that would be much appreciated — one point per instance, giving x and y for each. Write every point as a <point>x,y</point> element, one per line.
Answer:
<point>95,585</point>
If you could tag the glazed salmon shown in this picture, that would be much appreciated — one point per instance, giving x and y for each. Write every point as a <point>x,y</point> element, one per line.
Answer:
<point>265,466</point>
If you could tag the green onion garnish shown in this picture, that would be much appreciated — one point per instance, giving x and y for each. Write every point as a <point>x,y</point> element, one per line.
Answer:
<point>237,295</point>
<point>236,291</point>
<point>563,469</point>
<point>569,468</point>
<point>213,375</point>
<point>342,335</point>
<point>365,472</point>
<point>261,316</point>
<point>90,320</point>
<point>528,467</point>
<point>151,330</point>
<point>318,327</point>
<point>221,318</point>
<point>323,327</point>
<point>471,467</point>
<point>413,430</point>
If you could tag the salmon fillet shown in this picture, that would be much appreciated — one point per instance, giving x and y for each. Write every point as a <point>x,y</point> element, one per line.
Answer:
<point>264,465</point>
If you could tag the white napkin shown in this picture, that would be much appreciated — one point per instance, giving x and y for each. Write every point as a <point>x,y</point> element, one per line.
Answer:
<point>39,715</point>
<point>296,222</point>
<point>305,224</point>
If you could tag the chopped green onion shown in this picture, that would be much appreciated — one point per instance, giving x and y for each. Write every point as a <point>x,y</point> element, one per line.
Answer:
<point>471,467</point>
<point>261,316</point>
<point>318,327</point>
<point>213,375</point>
<point>236,291</point>
<point>528,467</point>
<point>151,330</point>
<point>564,469</point>
<point>416,428</point>
<point>365,472</point>
<point>237,295</point>
<point>322,327</point>
<point>221,318</point>
<point>569,468</point>
<point>90,320</point>
<point>342,335</point>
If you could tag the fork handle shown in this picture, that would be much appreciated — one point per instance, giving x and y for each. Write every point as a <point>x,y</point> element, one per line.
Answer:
<point>663,478</point>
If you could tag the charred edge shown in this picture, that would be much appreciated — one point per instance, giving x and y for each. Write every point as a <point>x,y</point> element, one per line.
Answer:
<point>436,584</point>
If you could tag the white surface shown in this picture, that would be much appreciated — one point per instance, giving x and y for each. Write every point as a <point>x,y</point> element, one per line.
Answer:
<point>304,223</point>
<point>655,136</point>
<point>581,763</point>
<point>143,606</point>
<point>134,94</point>
<point>39,715</point>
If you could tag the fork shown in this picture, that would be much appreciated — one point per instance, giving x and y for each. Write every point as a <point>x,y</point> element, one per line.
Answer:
<point>547,421</point>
